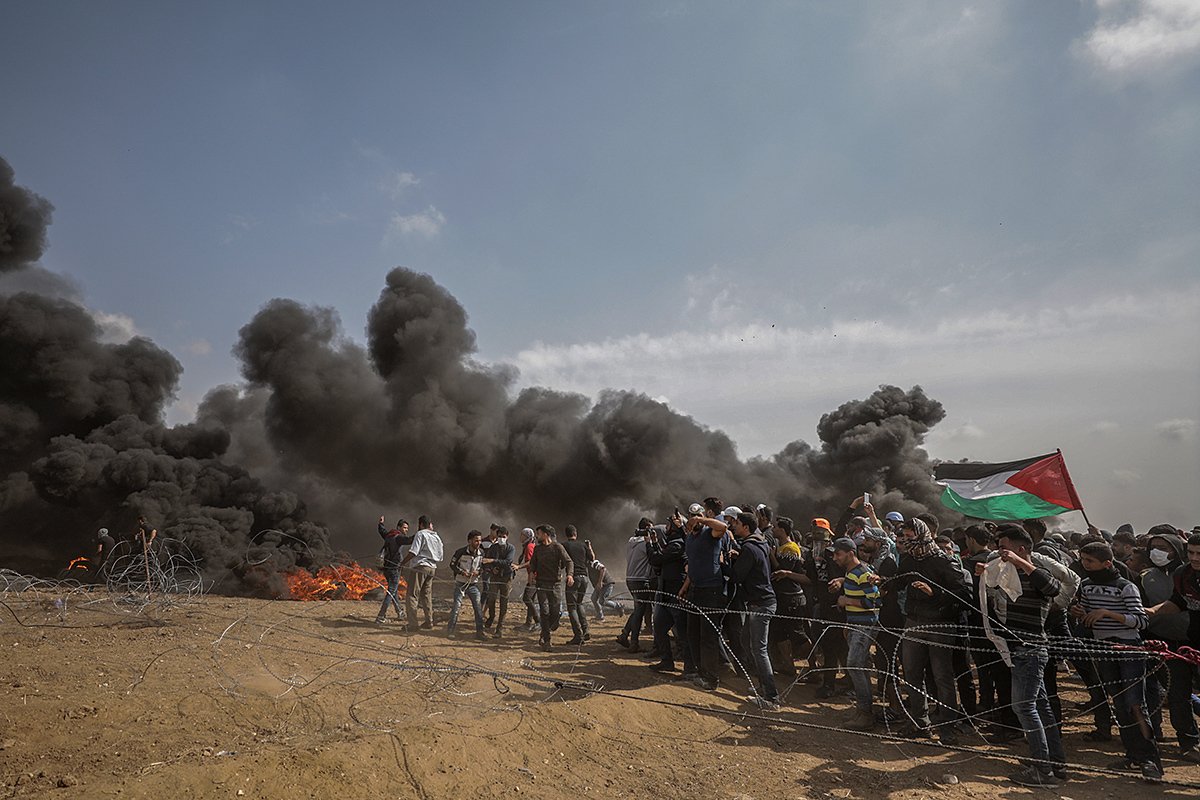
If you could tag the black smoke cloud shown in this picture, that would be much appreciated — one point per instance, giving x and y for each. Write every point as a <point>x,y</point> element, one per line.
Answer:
<point>412,419</point>
<point>326,428</point>
<point>82,443</point>
<point>24,218</point>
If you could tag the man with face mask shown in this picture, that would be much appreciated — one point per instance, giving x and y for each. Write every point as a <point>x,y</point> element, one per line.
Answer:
<point>1168,554</point>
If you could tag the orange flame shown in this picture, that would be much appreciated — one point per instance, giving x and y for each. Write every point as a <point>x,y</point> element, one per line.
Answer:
<point>342,582</point>
<point>82,562</point>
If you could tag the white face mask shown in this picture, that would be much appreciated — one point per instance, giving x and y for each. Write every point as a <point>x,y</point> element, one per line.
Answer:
<point>1160,558</point>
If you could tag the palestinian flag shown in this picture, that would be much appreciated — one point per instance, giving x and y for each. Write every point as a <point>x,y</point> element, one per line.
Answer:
<point>1031,487</point>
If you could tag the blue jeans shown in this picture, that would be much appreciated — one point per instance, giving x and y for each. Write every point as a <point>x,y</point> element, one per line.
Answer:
<point>858,661</point>
<point>471,591</point>
<point>755,631</point>
<point>1032,706</point>
<point>1125,681</point>
<point>392,595</point>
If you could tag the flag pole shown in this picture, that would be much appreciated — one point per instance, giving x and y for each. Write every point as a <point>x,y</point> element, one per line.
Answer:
<point>1071,486</point>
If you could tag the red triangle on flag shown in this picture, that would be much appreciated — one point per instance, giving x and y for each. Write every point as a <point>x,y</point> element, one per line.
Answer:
<point>1048,479</point>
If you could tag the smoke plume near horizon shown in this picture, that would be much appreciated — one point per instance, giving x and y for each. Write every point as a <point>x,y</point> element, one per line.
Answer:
<point>328,429</point>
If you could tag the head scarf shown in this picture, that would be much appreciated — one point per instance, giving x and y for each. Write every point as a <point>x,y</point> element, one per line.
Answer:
<point>923,546</point>
<point>526,535</point>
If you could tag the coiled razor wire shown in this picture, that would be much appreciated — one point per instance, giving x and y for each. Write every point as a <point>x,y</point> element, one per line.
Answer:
<point>455,691</point>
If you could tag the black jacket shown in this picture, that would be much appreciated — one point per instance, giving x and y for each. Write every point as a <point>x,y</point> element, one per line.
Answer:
<point>668,558</point>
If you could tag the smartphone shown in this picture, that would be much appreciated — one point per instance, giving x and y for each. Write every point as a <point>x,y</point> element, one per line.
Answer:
<point>866,498</point>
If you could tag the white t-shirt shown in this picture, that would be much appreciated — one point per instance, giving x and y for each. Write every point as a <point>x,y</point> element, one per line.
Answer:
<point>426,549</point>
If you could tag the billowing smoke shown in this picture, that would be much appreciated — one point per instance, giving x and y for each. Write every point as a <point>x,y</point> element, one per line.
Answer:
<point>412,419</point>
<point>82,443</point>
<point>410,423</point>
<point>23,220</point>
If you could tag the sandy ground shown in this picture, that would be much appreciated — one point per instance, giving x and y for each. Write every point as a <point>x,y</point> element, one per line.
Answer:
<point>224,697</point>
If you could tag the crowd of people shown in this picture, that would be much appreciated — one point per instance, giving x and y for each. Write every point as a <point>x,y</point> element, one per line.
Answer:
<point>934,633</point>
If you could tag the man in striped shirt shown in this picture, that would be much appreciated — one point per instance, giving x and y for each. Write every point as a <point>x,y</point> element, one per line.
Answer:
<point>860,600</point>
<point>1112,608</point>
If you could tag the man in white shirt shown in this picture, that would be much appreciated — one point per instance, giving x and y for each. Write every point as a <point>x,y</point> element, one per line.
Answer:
<point>419,565</point>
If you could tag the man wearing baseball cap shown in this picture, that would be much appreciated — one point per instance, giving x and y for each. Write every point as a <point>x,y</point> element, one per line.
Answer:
<point>822,570</point>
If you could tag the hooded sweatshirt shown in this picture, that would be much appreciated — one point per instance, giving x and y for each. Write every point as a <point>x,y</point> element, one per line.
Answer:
<point>1158,584</point>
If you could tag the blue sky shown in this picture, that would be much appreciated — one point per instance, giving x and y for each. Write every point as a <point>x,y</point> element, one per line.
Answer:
<point>754,211</point>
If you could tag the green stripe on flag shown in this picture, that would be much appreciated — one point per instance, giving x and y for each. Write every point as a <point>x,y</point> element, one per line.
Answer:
<point>1002,507</point>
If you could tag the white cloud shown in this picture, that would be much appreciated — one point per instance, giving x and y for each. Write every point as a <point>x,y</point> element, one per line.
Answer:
<point>114,328</point>
<point>398,182</point>
<point>425,224</point>
<point>941,44</point>
<point>1099,332</point>
<point>1141,36</point>
<point>1177,430</point>
<point>713,293</point>
<point>1104,427</point>
<point>963,433</point>
<point>199,347</point>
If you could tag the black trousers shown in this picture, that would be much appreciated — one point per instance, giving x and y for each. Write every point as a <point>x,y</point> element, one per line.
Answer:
<point>549,609</point>
<point>703,627</point>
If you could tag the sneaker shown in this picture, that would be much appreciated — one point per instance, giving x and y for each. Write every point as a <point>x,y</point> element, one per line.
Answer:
<point>574,641</point>
<point>1005,736</point>
<point>826,692</point>
<point>634,647</point>
<point>1191,754</point>
<point>623,640</point>
<point>480,635</point>
<point>1151,772</point>
<point>663,666</point>
<point>380,620</point>
<point>546,645</point>
<point>451,635</point>
<point>496,634</point>
<point>1124,765</point>
<point>704,683</point>
<point>686,676</point>
<point>426,626</point>
<point>1034,777</point>
<point>763,703</point>
<point>1097,736</point>
<point>862,721</point>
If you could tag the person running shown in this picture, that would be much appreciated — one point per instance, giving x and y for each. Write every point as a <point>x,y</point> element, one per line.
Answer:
<point>395,540</point>
<point>529,593</point>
